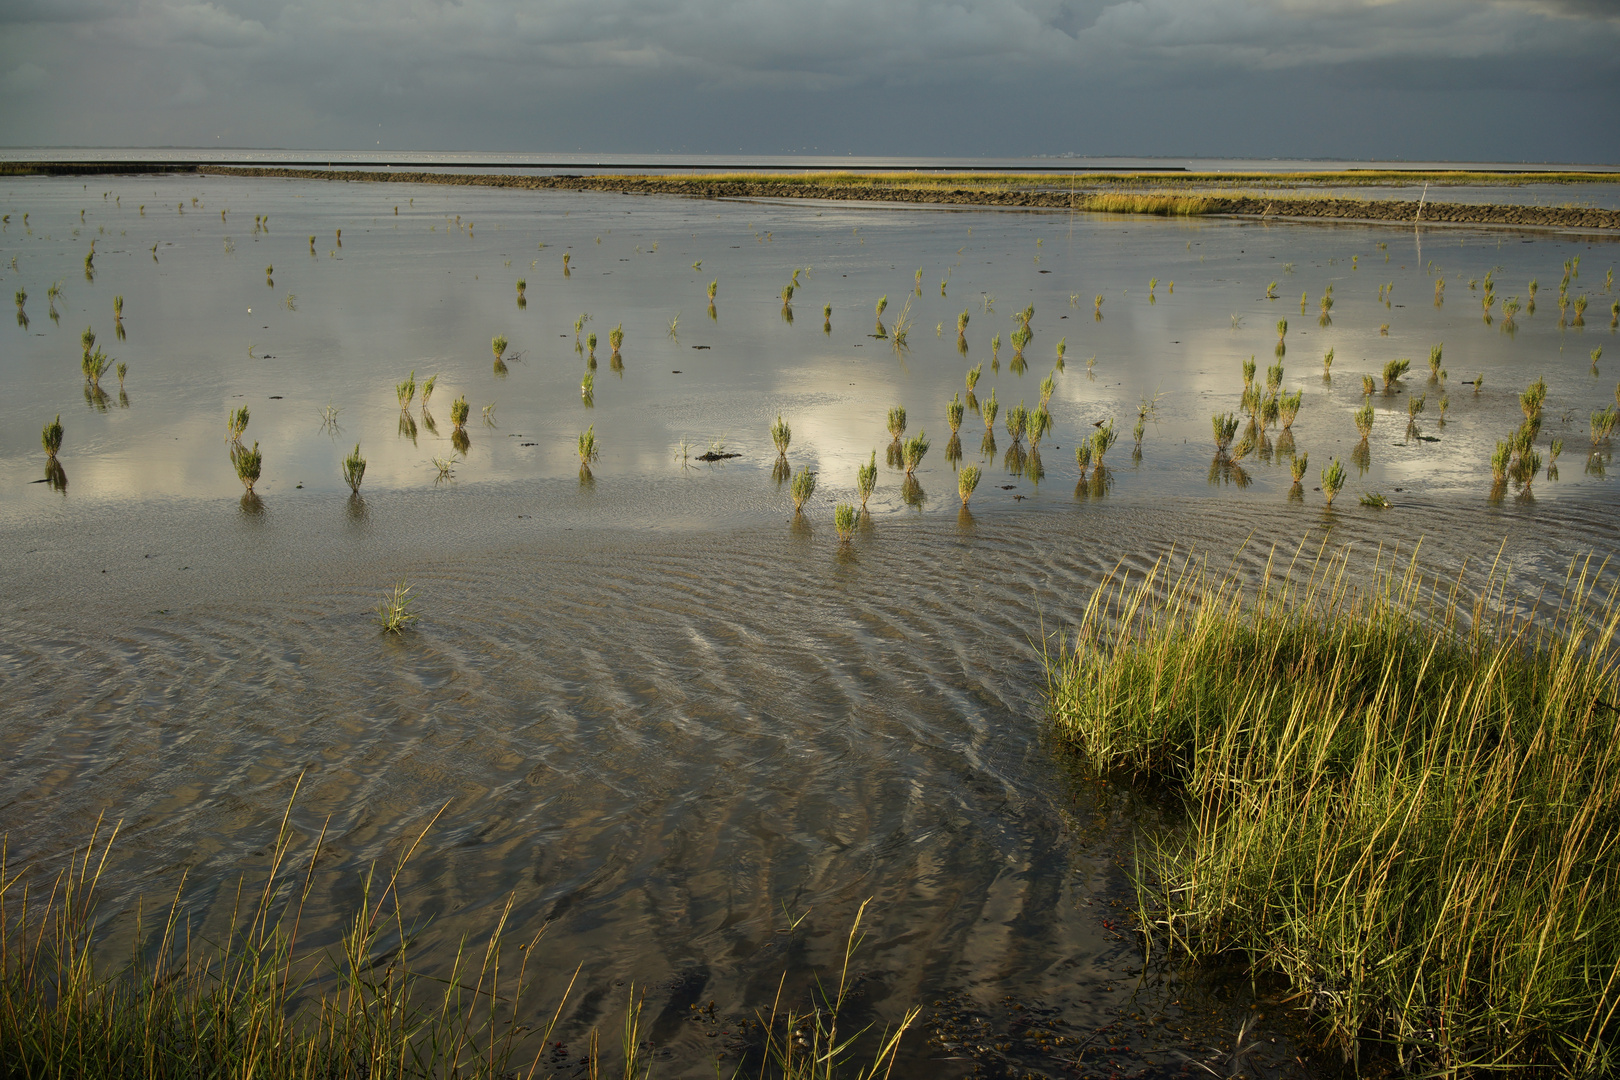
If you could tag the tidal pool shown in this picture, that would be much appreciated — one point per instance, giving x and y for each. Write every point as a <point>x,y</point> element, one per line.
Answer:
<point>661,711</point>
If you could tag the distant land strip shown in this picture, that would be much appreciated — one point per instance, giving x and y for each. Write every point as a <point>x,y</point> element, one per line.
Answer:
<point>966,189</point>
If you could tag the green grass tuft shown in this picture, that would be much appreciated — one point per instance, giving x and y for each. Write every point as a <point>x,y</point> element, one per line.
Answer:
<point>866,479</point>
<point>354,469</point>
<point>248,464</point>
<point>844,515</point>
<point>966,481</point>
<point>1399,798</point>
<point>803,487</point>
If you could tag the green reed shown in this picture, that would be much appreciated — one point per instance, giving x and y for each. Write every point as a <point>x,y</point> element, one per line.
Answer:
<point>1288,408</point>
<point>781,435</point>
<point>236,422</point>
<point>51,437</point>
<point>1016,419</point>
<point>249,463</point>
<point>94,364</point>
<point>1332,481</point>
<point>802,488</point>
<point>1364,417</point>
<point>354,469</point>
<point>1400,799</point>
<point>955,409</point>
<point>897,422</point>
<point>973,376</point>
<point>1394,371</point>
<point>966,481</point>
<point>588,450</point>
<point>1297,466</point>
<point>1603,422</point>
<point>1101,441</point>
<point>844,516</point>
<point>866,477</point>
<point>914,450</point>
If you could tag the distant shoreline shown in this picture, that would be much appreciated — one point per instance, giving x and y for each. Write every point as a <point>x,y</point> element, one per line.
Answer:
<point>1131,193</point>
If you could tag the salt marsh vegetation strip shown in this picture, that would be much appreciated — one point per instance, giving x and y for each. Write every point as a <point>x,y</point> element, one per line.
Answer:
<point>1190,194</point>
<point>1399,796</point>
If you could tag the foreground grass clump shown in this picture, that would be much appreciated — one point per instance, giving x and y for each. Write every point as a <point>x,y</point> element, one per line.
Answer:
<point>1401,800</point>
<point>257,1001</point>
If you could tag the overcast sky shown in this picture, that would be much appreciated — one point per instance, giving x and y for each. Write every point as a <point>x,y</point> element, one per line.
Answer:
<point>1474,80</point>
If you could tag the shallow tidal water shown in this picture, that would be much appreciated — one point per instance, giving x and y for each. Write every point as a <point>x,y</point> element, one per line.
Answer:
<point>660,712</point>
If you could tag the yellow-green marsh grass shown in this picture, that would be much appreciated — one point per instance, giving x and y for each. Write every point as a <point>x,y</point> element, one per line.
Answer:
<point>803,487</point>
<point>406,391</point>
<point>966,481</point>
<point>866,479</point>
<point>249,463</point>
<point>1364,420</point>
<point>897,422</point>
<point>1101,440</point>
<point>844,515</point>
<point>588,450</point>
<point>781,435</point>
<point>51,437</point>
<point>256,1002</point>
<point>914,450</point>
<point>1332,481</point>
<point>354,469</point>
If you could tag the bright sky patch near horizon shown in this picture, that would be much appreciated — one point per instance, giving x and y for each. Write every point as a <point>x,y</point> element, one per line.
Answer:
<point>1464,80</point>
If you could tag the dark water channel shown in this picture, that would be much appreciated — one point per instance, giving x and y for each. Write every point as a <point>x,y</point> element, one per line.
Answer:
<point>665,715</point>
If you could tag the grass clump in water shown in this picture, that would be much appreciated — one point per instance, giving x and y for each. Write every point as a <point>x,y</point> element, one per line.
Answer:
<point>966,481</point>
<point>1394,370</point>
<point>354,469</point>
<point>248,464</point>
<point>51,437</point>
<point>866,479</point>
<point>897,422</point>
<point>915,449</point>
<point>1332,481</point>
<point>1399,799</point>
<point>844,515</point>
<point>804,486</point>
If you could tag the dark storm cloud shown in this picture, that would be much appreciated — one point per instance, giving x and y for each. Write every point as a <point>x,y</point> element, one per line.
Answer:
<point>1425,78</point>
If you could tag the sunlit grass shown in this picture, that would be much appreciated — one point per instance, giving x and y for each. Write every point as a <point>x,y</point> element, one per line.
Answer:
<point>1398,798</point>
